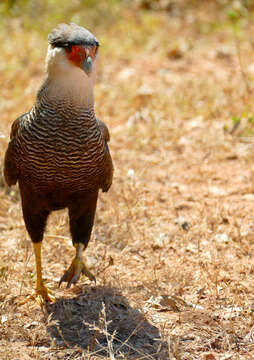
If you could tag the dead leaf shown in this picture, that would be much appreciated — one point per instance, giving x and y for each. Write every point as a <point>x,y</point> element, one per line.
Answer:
<point>210,357</point>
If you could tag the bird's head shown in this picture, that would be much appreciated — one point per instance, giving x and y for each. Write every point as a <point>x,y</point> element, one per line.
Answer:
<point>71,57</point>
<point>72,45</point>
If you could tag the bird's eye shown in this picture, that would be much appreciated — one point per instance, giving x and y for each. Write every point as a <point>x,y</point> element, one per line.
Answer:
<point>68,48</point>
<point>94,51</point>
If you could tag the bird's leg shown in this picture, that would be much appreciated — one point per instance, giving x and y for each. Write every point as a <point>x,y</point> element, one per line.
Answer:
<point>77,267</point>
<point>35,221</point>
<point>40,289</point>
<point>81,215</point>
<point>41,292</point>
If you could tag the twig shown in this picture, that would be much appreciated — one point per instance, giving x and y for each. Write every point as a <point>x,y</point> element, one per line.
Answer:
<point>102,331</point>
<point>131,334</point>
<point>57,237</point>
<point>109,337</point>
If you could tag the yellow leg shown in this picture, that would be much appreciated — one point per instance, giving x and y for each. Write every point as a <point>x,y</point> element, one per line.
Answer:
<point>40,289</point>
<point>41,292</point>
<point>77,267</point>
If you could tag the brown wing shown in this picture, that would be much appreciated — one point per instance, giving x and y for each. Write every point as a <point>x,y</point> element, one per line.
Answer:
<point>11,172</point>
<point>104,130</point>
<point>109,169</point>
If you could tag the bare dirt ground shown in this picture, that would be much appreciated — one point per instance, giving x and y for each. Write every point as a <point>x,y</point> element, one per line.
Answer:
<point>172,247</point>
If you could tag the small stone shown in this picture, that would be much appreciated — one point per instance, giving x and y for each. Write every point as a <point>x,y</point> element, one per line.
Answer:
<point>181,221</point>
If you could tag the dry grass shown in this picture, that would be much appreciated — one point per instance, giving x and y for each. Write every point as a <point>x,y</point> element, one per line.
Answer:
<point>172,247</point>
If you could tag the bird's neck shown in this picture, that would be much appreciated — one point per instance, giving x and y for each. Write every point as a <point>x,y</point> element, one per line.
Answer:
<point>73,88</point>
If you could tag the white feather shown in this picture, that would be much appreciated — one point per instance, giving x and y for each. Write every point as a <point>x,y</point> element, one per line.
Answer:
<point>65,79</point>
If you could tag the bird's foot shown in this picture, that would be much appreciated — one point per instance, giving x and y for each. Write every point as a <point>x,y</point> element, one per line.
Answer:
<point>72,275</point>
<point>41,295</point>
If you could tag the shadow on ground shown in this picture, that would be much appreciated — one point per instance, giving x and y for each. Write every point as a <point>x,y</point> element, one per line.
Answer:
<point>100,321</point>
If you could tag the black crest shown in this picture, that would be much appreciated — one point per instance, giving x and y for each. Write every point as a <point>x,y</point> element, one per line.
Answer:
<point>71,34</point>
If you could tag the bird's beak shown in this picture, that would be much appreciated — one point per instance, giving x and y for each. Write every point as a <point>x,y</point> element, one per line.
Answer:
<point>87,65</point>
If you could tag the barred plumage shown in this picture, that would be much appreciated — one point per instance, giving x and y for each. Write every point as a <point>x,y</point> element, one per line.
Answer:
<point>58,151</point>
<point>64,150</point>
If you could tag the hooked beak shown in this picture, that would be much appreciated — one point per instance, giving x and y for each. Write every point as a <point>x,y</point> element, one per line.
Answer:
<point>87,65</point>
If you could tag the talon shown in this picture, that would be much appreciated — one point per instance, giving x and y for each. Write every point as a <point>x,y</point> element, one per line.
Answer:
<point>72,275</point>
<point>90,276</point>
<point>41,295</point>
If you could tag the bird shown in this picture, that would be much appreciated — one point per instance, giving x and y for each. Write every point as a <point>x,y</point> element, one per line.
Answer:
<point>58,151</point>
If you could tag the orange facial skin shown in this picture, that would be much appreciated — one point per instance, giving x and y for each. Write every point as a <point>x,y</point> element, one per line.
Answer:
<point>78,53</point>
